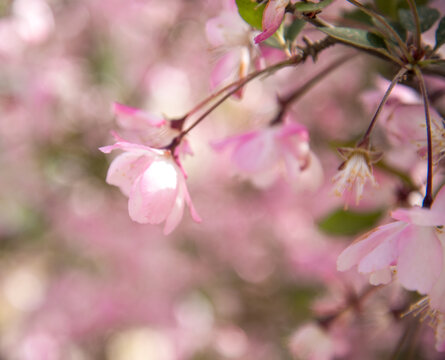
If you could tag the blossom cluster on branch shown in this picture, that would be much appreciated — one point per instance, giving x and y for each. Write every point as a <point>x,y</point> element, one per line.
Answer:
<point>310,136</point>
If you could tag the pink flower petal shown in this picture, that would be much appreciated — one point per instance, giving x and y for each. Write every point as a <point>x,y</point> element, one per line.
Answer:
<point>439,202</point>
<point>380,277</point>
<point>272,18</point>
<point>128,146</point>
<point>154,193</point>
<point>125,168</point>
<point>387,252</point>
<point>354,253</point>
<point>437,294</point>
<point>176,213</point>
<point>420,216</point>
<point>188,200</point>
<point>257,154</point>
<point>225,68</point>
<point>420,260</point>
<point>135,119</point>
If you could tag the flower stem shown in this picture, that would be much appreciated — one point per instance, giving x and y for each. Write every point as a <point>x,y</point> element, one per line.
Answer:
<point>418,34</point>
<point>388,27</point>
<point>364,142</point>
<point>238,85</point>
<point>428,199</point>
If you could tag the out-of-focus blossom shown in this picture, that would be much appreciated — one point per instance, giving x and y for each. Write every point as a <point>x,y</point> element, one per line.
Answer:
<point>355,170</point>
<point>232,39</point>
<point>30,22</point>
<point>142,127</point>
<point>272,18</point>
<point>154,183</point>
<point>403,118</point>
<point>264,155</point>
<point>413,247</point>
<point>312,342</point>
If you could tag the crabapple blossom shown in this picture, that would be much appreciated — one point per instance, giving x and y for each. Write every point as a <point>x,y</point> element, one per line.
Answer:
<point>232,40</point>
<point>154,183</point>
<point>355,170</point>
<point>143,127</point>
<point>272,18</point>
<point>413,247</point>
<point>264,155</point>
<point>403,119</point>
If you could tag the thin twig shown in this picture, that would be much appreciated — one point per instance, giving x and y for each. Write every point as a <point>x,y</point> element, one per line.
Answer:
<point>364,142</point>
<point>388,27</point>
<point>303,89</point>
<point>418,34</point>
<point>428,199</point>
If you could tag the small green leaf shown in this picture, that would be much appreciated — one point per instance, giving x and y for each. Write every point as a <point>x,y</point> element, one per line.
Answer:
<point>348,223</point>
<point>293,30</point>
<point>427,17</point>
<point>358,15</point>
<point>397,27</point>
<point>311,6</point>
<point>440,34</point>
<point>251,12</point>
<point>386,7</point>
<point>357,37</point>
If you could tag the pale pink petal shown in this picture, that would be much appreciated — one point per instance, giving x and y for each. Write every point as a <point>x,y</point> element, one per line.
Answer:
<point>128,146</point>
<point>135,119</point>
<point>154,193</point>
<point>354,253</point>
<point>420,216</point>
<point>176,213</point>
<point>257,154</point>
<point>222,145</point>
<point>125,168</point>
<point>380,277</point>
<point>226,68</point>
<point>437,294</point>
<point>420,260</point>
<point>405,124</point>
<point>265,178</point>
<point>387,252</point>
<point>272,18</point>
<point>439,202</point>
<point>188,200</point>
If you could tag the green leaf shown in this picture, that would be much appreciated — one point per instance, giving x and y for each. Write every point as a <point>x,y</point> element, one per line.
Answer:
<point>310,6</point>
<point>348,223</point>
<point>427,17</point>
<point>397,27</point>
<point>358,16</point>
<point>293,30</point>
<point>440,34</point>
<point>357,37</point>
<point>251,12</point>
<point>386,7</point>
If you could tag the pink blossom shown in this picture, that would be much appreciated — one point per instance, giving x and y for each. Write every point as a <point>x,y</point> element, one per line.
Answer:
<point>355,170</point>
<point>272,18</point>
<point>232,40</point>
<point>413,247</point>
<point>263,155</point>
<point>143,127</point>
<point>313,342</point>
<point>403,118</point>
<point>154,183</point>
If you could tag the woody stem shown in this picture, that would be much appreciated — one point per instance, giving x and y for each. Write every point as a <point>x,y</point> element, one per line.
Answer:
<point>364,142</point>
<point>428,199</point>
